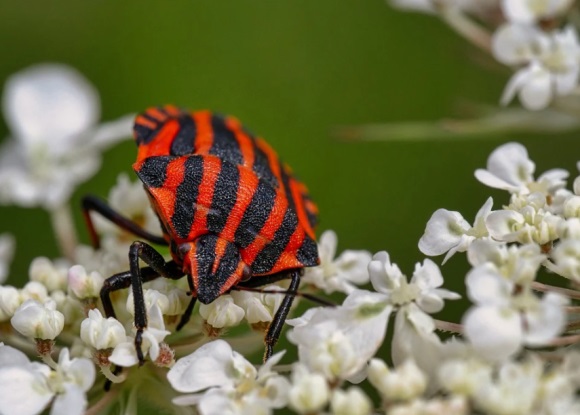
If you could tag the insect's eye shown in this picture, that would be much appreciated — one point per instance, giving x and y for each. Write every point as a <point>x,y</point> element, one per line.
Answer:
<point>247,273</point>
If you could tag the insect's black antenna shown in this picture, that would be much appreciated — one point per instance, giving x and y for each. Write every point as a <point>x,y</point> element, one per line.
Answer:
<point>313,298</point>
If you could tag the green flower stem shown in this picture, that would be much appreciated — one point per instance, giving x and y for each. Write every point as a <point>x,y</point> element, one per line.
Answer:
<point>467,28</point>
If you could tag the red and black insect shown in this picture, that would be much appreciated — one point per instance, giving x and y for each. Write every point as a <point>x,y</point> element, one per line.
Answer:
<point>232,213</point>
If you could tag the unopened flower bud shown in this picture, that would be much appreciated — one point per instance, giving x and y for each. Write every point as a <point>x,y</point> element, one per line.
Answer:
<point>405,383</point>
<point>84,285</point>
<point>49,274</point>
<point>102,333</point>
<point>40,321</point>
<point>309,392</point>
<point>350,402</point>
<point>10,300</point>
<point>222,312</point>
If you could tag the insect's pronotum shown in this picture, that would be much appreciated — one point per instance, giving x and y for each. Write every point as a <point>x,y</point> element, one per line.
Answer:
<point>231,212</point>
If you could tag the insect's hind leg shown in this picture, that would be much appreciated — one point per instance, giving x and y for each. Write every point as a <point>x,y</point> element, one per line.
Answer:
<point>275,327</point>
<point>93,203</point>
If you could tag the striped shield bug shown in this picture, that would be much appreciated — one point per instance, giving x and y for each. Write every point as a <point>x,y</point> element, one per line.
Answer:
<point>232,214</point>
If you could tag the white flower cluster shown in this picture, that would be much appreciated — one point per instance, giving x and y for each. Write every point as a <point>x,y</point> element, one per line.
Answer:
<point>537,38</point>
<point>513,354</point>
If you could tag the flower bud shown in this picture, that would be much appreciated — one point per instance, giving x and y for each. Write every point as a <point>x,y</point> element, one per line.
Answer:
<point>10,300</point>
<point>40,321</point>
<point>222,312</point>
<point>350,402</point>
<point>84,285</point>
<point>51,275</point>
<point>102,333</point>
<point>405,383</point>
<point>309,392</point>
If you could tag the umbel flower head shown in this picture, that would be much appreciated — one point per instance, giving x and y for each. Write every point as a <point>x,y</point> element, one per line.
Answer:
<point>61,342</point>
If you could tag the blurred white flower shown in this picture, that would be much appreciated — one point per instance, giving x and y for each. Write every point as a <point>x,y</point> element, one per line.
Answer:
<point>551,62</point>
<point>404,383</point>
<point>27,388</point>
<point>447,231</point>
<point>51,274</point>
<point>509,168</point>
<point>309,392</point>
<point>222,381</point>
<point>52,112</point>
<point>505,319</point>
<point>353,401</point>
<point>7,243</point>
<point>338,274</point>
<point>530,11</point>
<point>517,263</point>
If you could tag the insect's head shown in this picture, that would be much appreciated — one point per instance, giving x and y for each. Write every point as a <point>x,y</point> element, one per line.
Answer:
<point>215,266</point>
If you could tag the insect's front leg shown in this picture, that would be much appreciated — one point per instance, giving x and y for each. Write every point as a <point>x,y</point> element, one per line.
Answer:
<point>141,250</point>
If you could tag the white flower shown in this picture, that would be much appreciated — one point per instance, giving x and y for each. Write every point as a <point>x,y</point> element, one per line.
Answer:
<point>509,168</point>
<point>339,341</point>
<point>222,312</point>
<point>7,243</point>
<point>27,388</point>
<point>40,321</point>
<point>447,231</point>
<point>309,392</point>
<point>531,223</point>
<point>125,354</point>
<point>102,333</point>
<point>53,275</point>
<point>518,263</point>
<point>551,61</point>
<point>353,401</point>
<point>258,307</point>
<point>530,11</point>
<point>514,391</point>
<point>224,382</point>
<point>84,285</point>
<point>388,280</point>
<point>404,383</point>
<point>464,376</point>
<point>171,300</point>
<point>52,112</point>
<point>340,274</point>
<point>504,319</point>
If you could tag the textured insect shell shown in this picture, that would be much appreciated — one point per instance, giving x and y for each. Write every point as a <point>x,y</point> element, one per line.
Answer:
<point>183,193</point>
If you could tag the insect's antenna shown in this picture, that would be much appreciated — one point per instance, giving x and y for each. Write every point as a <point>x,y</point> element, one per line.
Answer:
<point>313,298</point>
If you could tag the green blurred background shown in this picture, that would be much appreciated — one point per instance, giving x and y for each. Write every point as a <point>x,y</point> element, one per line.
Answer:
<point>292,71</point>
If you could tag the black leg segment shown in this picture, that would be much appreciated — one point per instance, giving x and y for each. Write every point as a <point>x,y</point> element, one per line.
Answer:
<point>93,203</point>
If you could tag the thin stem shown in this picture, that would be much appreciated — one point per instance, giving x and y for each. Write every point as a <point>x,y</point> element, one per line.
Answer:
<point>102,403</point>
<point>106,370</point>
<point>47,358</point>
<point>64,230</point>
<point>467,28</point>
<point>538,286</point>
<point>565,341</point>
